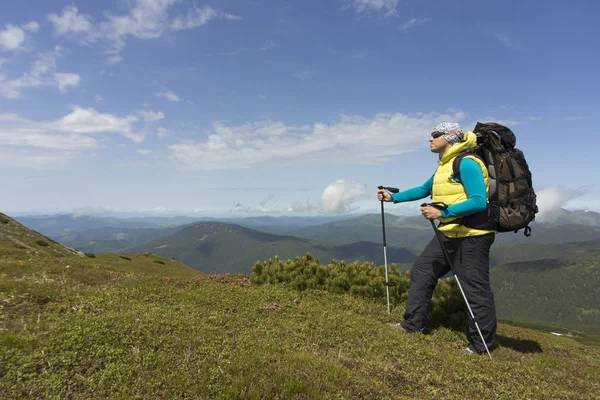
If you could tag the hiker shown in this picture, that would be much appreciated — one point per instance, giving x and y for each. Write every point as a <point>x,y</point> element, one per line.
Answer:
<point>469,248</point>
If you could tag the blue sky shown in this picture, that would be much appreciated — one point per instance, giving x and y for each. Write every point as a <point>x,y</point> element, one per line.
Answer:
<point>283,107</point>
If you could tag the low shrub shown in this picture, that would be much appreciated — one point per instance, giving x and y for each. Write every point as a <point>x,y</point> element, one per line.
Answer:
<point>365,280</point>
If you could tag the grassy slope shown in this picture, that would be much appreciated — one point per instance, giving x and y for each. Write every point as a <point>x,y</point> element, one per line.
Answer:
<point>89,332</point>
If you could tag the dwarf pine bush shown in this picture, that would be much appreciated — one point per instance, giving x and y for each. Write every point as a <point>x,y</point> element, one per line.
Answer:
<point>363,280</point>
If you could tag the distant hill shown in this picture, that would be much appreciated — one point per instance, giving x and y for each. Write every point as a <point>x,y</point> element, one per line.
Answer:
<point>415,232</point>
<point>113,239</point>
<point>218,247</point>
<point>584,250</point>
<point>561,292</point>
<point>576,217</point>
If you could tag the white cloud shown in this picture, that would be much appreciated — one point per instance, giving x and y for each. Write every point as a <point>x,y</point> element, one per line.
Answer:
<point>385,7</point>
<point>303,206</point>
<point>33,144</point>
<point>414,22</point>
<point>66,80</point>
<point>112,60</point>
<point>47,141</point>
<point>355,139</point>
<point>504,38</point>
<point>11,38</point>
<point>41,73</point>
<point>199,16</point>
<point>339,197</point>
<point>268,44</point>
<point>260,209</point>
<point>35,158</point>
<point>168,95</point>
<point>72,24</point>
<point>31,26</point>
<point>145,152</point>
<point>163,132</point>
<point>88,121</point>
<point>552,199</point>
<point>146,19</point>
<point>98,98</point>
<point>67,133</point>
<point>151,116</point>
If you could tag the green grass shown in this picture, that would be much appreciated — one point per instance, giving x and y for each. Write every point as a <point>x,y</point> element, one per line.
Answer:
<point>146,264</point>
<point>88,331</point>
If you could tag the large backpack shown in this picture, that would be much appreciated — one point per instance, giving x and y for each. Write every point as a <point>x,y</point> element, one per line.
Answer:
<point>512,200</point>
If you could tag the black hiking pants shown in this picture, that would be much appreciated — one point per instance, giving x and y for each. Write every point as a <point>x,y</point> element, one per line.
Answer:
<point>470,257</point>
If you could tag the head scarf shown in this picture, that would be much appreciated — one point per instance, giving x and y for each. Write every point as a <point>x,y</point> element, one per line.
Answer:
<point>451,127</point>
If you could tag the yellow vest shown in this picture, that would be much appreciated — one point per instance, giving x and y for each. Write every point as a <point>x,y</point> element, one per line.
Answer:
<point>448,191</point>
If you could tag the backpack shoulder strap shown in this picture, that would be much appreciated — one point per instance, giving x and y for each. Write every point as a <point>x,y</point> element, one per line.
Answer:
<point>458,159</point>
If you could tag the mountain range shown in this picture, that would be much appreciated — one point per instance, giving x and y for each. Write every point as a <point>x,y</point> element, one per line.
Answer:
<point>214,247</point>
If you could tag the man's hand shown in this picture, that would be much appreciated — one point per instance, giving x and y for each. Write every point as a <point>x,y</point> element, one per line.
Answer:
<point>384,195</point>
<point>430,212</point>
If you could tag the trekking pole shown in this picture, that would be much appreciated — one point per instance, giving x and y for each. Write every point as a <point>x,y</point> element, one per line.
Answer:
<point>387,283</point>
<point>442,206</point>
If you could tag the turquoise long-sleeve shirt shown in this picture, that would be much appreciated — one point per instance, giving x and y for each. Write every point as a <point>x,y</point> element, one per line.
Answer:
<point>471,177</point>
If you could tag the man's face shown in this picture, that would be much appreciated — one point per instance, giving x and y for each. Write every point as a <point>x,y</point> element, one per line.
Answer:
<point>437,143</point>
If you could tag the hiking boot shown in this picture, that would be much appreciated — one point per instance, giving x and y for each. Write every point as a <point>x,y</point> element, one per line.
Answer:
<point>400,327</point>
<point>470,349</point>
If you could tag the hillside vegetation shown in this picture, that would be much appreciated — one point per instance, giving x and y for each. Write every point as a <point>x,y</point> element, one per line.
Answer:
<point>551,291</point>
<point>77,327</point>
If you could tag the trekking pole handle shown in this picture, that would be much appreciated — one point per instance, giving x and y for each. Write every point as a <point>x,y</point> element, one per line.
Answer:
<point>438,204</point>
<point>389,189</point>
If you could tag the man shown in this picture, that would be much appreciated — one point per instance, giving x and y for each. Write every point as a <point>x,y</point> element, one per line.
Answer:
<point>469,248</point>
